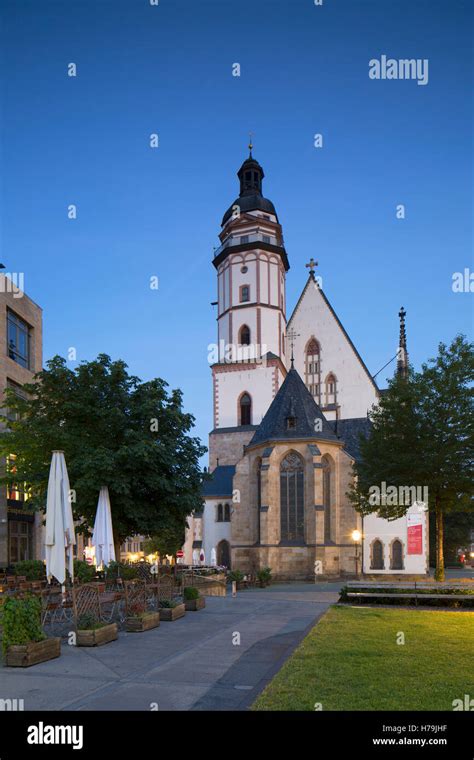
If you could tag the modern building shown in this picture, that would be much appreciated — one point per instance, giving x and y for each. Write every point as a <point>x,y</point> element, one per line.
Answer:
<point>289,402</point>
<point>20,358</point>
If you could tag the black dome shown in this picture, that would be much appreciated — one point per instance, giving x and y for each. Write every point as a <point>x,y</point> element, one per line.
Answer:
<point>250,175</point>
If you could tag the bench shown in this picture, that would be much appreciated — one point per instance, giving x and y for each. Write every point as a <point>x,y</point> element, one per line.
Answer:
<point>416,590</point>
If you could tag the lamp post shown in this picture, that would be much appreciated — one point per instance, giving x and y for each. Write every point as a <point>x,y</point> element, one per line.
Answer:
<point>356,536</point>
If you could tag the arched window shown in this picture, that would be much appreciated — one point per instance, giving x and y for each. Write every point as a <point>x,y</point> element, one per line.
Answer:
<point>396,555</point>
<point>244,336</point>
<point>292,498</point>
<point>327,496</point>
<point>223,553</point>
<point>331,389</point>
<point>226,512</point>
<point>313,368</point>
<point>245,409</point>
<point>377,555</point>
<point>219,513</point>
<point>259,496</point>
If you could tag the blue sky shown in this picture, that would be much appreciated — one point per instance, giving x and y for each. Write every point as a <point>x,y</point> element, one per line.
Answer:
<point>142,212</point>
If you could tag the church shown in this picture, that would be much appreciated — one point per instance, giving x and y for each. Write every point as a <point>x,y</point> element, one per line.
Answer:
<point>290,399</point>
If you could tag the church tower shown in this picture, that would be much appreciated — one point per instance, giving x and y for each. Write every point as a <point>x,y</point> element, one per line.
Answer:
<point>250,362</point>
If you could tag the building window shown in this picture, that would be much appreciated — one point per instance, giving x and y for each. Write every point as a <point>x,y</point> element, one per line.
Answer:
<point>266,238</point>
<point>312,368</point>
<point>20,541</point>
<point>226,512</point>
<point>244,239</point>
<point>376,555</point>
<point>244,336</point>
<point>327,496</point>
<point>18,391</point>
<point>223,554</point>
<point>244,293</point>
<point>292,498</point>
<point>15,491</point>
<point>330,389</point>
<point>396,559</point>
<point>18,339</point>
<point>219,513</point>
<point>245,409</point>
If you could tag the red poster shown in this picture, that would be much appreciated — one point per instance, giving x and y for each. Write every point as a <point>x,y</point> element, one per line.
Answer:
<point>415,539</point>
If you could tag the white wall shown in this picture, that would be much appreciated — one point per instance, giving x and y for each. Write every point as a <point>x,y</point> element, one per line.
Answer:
<point>258,382</point>
<point>355,391</point>
<point>375,527</point>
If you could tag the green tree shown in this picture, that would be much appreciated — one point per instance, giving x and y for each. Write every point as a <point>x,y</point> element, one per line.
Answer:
<point>115,431</point>
<point>422,435</point>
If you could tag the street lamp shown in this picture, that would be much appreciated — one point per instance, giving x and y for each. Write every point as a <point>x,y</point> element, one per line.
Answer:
<point>356,536</point>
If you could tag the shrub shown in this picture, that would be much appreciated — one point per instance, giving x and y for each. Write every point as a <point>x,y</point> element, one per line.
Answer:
<point>236,575</point>
<point>168,604</point>
<point>191,593</point>
<point>264,575</point>
<point>88,622</point>
<point>84,572</point>
<point>21,620</point>
<point>32,569</point>
<point>126,572</point>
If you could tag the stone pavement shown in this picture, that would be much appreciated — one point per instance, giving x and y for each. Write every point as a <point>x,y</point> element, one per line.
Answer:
<point>191,664</point>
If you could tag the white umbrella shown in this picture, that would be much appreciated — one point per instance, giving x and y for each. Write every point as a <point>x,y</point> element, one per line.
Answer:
<point>103,537</point>
<point>195,557</point>
<point>202,557</point>
<point>60,537</point>
<point>213,557</point>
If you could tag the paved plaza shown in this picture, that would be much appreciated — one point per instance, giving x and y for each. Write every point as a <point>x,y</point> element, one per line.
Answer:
<point>191,664</point>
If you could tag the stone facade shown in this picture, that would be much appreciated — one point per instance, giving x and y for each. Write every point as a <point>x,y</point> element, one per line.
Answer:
<point>256,532</point>
<point>14,515</point>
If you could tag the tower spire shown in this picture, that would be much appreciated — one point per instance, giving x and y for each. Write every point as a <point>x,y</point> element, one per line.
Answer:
<point>250,145</point>
<point>402,358</point>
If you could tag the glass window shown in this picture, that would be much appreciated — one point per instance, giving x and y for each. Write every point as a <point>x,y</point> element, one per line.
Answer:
<point>18,337</point>
<point>245,410</point>
<point>244,238</point>
<point>245,293</point>
<point>292,498</point>
<point>20,543</point>
<point>266,238</point>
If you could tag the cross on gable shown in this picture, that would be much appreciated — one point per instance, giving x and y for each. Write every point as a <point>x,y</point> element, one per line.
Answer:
<point>292,335</point>
<point>402,314</point>
<point>311,265</point>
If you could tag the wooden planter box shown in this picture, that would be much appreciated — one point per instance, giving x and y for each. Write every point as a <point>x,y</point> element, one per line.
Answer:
<point>172,613</point>
<point>145,623</point>
<point>24,655</point>
<point>98,636</point>
<point>193,605</point>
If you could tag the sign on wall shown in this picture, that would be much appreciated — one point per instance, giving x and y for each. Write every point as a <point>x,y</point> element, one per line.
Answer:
<point>415,534</point>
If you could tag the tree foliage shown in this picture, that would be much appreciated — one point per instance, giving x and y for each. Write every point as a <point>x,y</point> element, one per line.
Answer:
<point>114,430</point>
<point>422,435</point>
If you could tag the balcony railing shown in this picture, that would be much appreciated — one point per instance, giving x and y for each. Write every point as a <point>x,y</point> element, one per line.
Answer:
<point>256,237</point>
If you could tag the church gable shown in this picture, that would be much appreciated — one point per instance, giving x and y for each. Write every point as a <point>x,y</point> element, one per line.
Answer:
<point>326,358</point>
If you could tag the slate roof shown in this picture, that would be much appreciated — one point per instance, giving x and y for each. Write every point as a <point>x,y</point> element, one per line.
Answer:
<point>220,483</point>
<point>349,431</point>
<point>293,399</point>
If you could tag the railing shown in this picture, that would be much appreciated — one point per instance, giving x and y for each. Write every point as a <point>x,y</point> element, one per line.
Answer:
<point>234,240</point>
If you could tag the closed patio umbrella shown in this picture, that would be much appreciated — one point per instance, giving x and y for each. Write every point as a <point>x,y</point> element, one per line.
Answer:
<point>60,537</point>
<point>213,557</point>
<point>103,537</point>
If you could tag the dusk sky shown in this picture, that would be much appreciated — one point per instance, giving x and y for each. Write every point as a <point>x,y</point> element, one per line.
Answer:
<point>144,212</point>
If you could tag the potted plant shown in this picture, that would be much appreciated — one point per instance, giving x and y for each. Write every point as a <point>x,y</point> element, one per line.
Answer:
<point>264,576</point>
<point>31,569</point>
<point>92,632</point>
<point>171,610</point>
<point>24,642</point>
<point>140,620</point>
<point>193,600</point>
<point>238,577</point>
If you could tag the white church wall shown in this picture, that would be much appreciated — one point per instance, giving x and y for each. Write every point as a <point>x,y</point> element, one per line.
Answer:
<point>214,531</point>
<point>377,528</point>
<point>355,392</point>
<point>257,382</point>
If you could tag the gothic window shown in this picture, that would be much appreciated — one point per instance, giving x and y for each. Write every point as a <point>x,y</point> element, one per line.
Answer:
<point>259,496</point>
<point>377,555</point>
<point>244,293</point>
<point>219,513</point>
<point>245,409</point>
<point>292,498</point>
<point>330,389</point>
<point>397,555</point>
<point>313,368</point>
<point>223,554</point>
<point>327,497</point>
<point>244,336</point>
<point>266,238</point>
<point>226,512</point>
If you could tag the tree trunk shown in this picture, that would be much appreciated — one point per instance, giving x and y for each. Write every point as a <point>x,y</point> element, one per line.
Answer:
<point>117,545</point>
<point>439,572</point>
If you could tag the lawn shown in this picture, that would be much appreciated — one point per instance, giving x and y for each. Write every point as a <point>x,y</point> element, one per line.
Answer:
<point>351,661</point>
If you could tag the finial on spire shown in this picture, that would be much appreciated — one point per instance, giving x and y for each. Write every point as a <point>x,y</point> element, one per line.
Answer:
<point>311,265</point>
<point>402,358</point>
<point>250,145</point>
<point>292,336</point>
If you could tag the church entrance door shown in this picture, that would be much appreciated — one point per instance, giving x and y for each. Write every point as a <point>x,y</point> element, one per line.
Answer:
<point>223,553</point>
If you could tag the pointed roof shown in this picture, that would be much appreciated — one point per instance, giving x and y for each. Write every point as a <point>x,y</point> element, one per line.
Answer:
<point>250,175</point>
<point>312,280</point>
<point>293,401</point>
